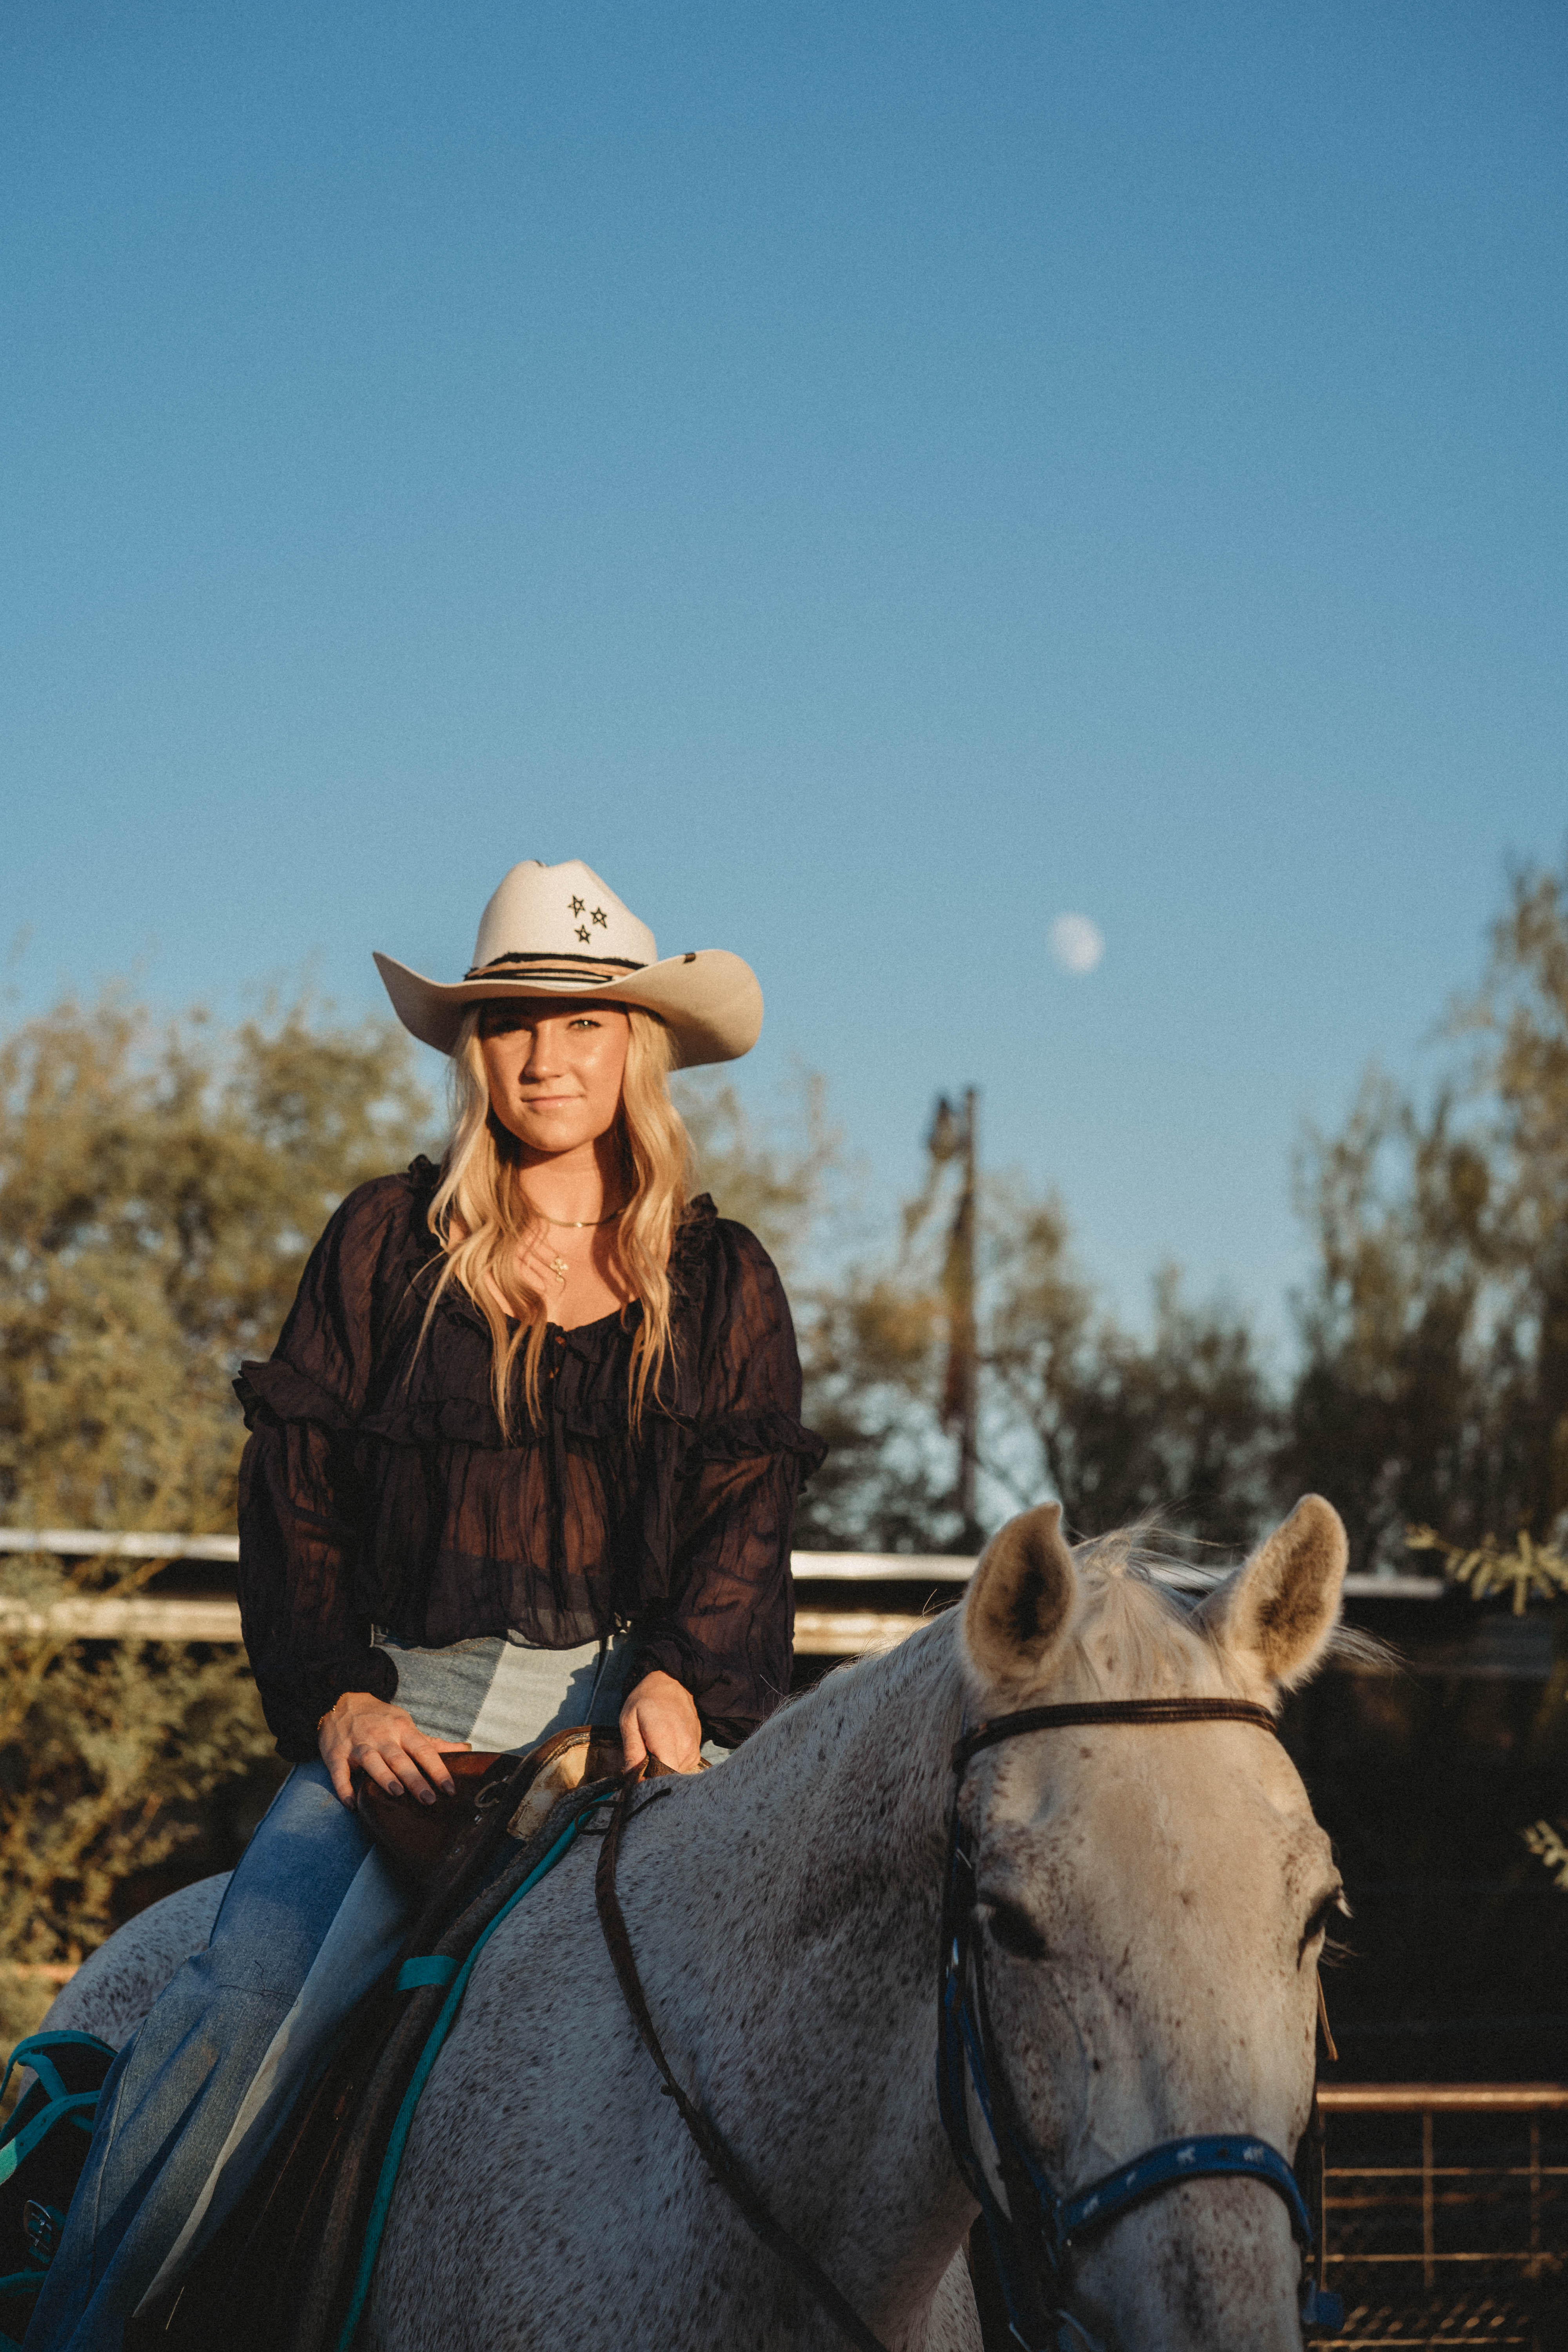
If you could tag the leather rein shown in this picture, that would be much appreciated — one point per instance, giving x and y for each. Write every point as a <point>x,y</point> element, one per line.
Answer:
<point>1032,2234</point>
<point>716,2153</point>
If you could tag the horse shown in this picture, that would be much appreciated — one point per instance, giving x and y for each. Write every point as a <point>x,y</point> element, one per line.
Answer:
<point>1151,1901</point>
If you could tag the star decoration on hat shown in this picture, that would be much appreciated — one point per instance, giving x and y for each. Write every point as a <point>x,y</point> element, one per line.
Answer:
<point>600,917</point>
<point>577,907</point>
<point>584,933</point>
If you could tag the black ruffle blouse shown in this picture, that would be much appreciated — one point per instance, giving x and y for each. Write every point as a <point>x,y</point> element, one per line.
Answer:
<point>377,1489</point>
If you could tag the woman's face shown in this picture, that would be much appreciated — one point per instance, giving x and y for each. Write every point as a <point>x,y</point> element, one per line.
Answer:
<point>554,1066</point>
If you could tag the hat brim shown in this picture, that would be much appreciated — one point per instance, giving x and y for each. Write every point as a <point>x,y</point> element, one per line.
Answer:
<point>709,1001</point>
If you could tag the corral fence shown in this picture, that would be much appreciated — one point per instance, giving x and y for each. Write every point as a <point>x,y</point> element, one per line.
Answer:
<point>1446,2214</point>
<point>824,1628</point>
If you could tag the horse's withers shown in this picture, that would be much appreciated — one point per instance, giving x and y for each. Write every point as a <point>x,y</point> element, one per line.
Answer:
<point>1153,1903</point>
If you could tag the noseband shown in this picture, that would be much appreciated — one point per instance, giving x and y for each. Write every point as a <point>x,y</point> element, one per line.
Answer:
<point>1033,2234</point>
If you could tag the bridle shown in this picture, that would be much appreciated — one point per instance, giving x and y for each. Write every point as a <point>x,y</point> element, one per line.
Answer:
<point>1032,2233</point>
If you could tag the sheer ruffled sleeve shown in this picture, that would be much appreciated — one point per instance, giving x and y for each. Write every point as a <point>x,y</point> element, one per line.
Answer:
<point>299,1515</point>
<point>726,1628</point>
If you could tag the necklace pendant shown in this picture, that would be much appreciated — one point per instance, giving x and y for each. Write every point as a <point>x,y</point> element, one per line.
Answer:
<point>560,1269</point>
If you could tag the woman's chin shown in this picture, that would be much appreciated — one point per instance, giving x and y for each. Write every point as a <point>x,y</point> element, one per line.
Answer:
<point>552,1134</point>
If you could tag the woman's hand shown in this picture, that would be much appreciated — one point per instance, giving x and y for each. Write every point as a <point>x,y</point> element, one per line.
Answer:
<point>385,1742</point>
<point>660,1718</point>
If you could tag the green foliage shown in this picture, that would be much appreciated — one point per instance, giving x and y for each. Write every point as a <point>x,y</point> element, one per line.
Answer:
<point>1434,1388</point>
<point>1546,1845</point>
<point>1178,1427</point>
<point>108,1753</point>
<point>159,1190</point>
<point>1530,1571</point>
<point>776,1178</point>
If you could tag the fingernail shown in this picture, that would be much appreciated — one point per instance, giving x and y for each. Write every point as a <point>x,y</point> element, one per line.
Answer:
<point>427,1796</point>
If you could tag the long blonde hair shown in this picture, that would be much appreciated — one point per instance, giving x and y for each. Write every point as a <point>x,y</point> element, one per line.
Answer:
<point>481,1218</point>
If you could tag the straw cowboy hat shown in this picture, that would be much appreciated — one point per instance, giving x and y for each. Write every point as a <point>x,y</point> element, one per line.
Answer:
<point>557,930</point>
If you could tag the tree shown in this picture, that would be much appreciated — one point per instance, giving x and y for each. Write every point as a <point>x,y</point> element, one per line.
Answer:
<point>1392,1411</point>
<point>1434,1386</point>
<point>777,1176</point>
<point>1178,1428</point>
<point>159,1190</point>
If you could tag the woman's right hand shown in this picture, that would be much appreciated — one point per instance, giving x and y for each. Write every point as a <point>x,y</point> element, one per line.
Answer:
<point>384,1742</point>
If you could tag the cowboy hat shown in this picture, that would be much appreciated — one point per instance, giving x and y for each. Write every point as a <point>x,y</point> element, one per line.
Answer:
<point>558,930</point>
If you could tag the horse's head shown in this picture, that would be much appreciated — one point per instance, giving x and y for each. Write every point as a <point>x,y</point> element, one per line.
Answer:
<point>1152,1900</point>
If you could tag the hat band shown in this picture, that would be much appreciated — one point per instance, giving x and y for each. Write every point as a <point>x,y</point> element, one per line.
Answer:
<point>516,966</point>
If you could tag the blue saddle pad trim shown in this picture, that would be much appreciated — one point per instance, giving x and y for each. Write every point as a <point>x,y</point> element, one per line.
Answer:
<point>33,2053</point>
<point>388,2180</point>
<point>429,1969</point>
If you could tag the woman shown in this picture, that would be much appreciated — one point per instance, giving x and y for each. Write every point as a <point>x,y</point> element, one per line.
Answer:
<point>526,1455</point>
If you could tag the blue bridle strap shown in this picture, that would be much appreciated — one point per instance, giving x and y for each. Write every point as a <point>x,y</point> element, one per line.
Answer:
<point>1208,2156</point>
<point>1032,2234</point>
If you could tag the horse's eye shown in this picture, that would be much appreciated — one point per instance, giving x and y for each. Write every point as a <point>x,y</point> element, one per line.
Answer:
<point>1333,1906</point>
<point>1015,1931</point>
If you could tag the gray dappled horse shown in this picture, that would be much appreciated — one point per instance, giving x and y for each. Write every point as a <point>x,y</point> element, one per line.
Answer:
<point>1151,1903</point>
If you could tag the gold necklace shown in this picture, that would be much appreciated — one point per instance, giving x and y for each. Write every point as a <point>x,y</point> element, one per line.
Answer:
<point>559,1266</point>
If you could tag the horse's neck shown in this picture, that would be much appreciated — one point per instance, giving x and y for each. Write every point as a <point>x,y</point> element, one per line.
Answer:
<point>806,1906</point>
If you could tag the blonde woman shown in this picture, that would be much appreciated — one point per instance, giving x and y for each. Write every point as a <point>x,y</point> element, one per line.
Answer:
<point>526,1454</point>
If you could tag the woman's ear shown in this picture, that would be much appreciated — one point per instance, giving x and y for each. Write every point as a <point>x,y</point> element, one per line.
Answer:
<point>1019,1597</point>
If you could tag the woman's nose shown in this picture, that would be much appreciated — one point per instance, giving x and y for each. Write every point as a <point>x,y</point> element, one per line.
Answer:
<point>543,1059</point>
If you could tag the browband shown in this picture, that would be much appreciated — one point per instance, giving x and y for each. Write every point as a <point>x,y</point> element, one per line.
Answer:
<point>1110,1710</point>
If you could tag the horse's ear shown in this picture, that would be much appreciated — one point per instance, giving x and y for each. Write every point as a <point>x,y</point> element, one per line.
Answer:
<point>1283,1606</point>
<point>1019,1597</point>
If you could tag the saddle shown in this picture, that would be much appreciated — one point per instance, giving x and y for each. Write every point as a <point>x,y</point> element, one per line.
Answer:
<point>277,2275</point>
<point>431,1845</point>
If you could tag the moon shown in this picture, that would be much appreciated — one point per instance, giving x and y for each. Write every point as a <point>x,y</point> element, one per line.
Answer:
<point>1077,943</point>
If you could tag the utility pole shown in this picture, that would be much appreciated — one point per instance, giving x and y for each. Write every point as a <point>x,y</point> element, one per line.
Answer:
<point>954,1134</point>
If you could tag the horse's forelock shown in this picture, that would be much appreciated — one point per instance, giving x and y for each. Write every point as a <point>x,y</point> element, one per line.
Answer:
<point>1137,1633</point>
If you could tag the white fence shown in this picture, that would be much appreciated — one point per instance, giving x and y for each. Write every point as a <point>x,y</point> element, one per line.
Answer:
<point>821,1629</point>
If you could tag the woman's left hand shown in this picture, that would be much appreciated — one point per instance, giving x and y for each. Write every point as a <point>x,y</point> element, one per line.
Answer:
<point>660,1718</point>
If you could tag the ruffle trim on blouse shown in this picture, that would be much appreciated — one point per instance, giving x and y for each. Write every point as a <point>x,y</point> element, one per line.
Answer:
<point>288,1394</point>
<point>745,1436</point>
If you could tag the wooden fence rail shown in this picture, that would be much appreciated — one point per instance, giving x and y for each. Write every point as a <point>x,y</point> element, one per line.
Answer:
<point>821,1631</point>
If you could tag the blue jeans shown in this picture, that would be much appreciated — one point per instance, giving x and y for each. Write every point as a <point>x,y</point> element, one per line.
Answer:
<point>310,1919</point>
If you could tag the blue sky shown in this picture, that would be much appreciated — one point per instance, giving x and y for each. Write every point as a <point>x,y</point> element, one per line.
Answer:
<point>869,479</point>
